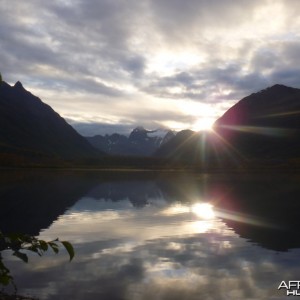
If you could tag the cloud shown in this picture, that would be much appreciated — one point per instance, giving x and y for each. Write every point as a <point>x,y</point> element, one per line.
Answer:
<point>187,20</point>
<point>115,52</point>
<point>148,118</point>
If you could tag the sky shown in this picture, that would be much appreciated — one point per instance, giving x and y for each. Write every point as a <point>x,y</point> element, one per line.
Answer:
<point>111,65</point>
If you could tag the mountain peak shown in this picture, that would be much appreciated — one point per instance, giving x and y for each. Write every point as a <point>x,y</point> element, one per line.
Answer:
<point>18,85</point>
<point>277,85</point>
<point>273,107</point>
<point>31,126</point>
<point>281,87</point>
<point>139,128</point>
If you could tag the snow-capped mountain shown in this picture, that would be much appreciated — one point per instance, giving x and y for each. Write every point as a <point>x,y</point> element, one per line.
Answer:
<point>141,142</point>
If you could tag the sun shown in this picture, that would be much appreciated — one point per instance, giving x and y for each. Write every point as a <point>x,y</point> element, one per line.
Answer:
<point>203,124</point>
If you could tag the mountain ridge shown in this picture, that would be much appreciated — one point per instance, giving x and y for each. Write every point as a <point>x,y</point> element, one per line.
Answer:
<point>263,125</point>
<point>140,142</point>
<point>27,123</point>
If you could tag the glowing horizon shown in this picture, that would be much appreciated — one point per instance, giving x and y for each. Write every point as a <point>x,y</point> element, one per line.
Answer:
<point>148,63</point>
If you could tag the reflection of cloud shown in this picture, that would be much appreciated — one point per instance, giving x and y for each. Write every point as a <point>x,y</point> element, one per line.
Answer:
<point>140,224</point>
<point>215,265</point>
<point>158,251</point>
<point>175,209</point>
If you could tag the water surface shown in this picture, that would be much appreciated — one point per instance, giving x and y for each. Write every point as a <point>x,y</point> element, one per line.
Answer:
<point>155,236</point>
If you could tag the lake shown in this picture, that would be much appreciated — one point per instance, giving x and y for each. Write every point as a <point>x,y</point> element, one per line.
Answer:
<point>144,235</point>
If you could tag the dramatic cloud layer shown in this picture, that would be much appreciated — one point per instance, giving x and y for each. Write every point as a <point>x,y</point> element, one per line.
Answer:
<point>153,63</point>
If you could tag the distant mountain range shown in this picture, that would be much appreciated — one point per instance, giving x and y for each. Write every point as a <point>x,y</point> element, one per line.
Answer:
<point>264,125</point>
<point>29,126</point>
<point>141,142</point>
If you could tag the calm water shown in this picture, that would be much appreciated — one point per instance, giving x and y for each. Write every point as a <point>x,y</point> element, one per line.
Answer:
<point>161,236</point>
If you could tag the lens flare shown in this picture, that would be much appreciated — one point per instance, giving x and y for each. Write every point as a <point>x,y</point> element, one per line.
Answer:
<point>203,210</point>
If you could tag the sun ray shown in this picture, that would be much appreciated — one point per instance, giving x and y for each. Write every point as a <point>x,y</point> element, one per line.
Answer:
<point>282,114</point>
<point>271,131</point>
<point>229,147</point>
<point>243,218</point>
<point>183,143</point>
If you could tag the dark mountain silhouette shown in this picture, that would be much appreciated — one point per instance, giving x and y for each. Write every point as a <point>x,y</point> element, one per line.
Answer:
<point>141,142</point>
<point>264,125</point>
<point>193,148</point>
<point>276,106</point>
<point>180,146</point>
<point>27,125</point>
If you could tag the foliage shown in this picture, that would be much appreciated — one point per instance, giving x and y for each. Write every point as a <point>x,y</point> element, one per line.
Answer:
<point>18,243</point>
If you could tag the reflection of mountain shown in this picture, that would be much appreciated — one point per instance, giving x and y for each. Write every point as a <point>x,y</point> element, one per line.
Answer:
<point>138,193</point>
<point>145,253</point>
<point>263,210</point>
<point>262,125</point>
<point>31,201</point>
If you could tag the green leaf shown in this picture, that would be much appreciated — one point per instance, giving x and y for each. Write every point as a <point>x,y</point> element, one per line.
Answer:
<point>21,255</point>
<point>69,248</point>
<point>54,247</point>
<point>21,242</point>
<point>33,248</point>
<point>5,279</point>
<point>43,245</point>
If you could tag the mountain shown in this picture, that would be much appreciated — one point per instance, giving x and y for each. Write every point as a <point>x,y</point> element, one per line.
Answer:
<point>141,142</point>
<point>276,106</point>
<point>263,125</point>
<point>29,126</point>
<point>181,146</point>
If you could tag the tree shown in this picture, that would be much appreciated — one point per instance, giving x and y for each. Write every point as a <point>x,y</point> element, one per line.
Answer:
<point>19,243</point>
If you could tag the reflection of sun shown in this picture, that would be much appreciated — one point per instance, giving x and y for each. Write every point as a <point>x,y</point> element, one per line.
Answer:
<point>203,210</point>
